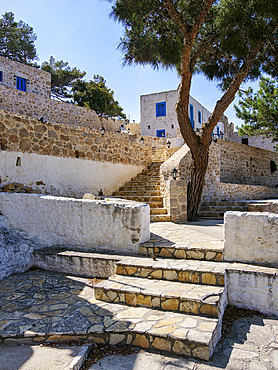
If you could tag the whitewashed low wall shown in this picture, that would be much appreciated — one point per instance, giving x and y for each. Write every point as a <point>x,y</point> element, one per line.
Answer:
<point>115,225</point>
<point>60,176</point>
<point>251,237</point>
<point>253,288</point>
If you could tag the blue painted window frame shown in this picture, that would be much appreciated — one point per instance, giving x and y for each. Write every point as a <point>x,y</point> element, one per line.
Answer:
<point>1,76</point>
<point>160,133</point>
<point>191,114</point>
<point>199,117</point>
<point>161,109</point>
<point>21,83</point>
<point>218,132</point>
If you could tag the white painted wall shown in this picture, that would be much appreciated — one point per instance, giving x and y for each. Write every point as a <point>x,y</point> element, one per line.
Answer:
<point>64,176</point>
<point>251,237</point>
<point>253,288</point>
<point>150,123</point>
<point>115,225</point>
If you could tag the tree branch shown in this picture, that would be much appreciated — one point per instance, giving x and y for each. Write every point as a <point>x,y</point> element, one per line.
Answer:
<point>176,17</point>
<point>229,94</point>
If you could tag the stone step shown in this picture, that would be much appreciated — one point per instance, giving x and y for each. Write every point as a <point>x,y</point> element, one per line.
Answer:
<point>144,193</point>
<point>158,211</point>
<point>79,316</point>
<point>224,203</point>
<point>160,218</point>
<point>210,214</point>
<point>144,199</point>
<point>139,188</point>
<point>222,209</point>
<point>197,249</point>
<point>155,205</point>
<point>185,271</point>
<point>143,183</point>
<point>193,299</point>
<point>101,265</point>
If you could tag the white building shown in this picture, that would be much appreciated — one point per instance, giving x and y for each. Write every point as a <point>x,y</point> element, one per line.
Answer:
<point>159,119</point>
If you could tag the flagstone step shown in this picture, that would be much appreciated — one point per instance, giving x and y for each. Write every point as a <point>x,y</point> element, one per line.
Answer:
<point>164,295</point>
<point>145,199</point>
<point>134,187</point>
<point>42,307</point>
<point>158,211</point>
<point>186,271</point>
<point>138,192</point>
<point>197,250</point>
<point>160,218</point>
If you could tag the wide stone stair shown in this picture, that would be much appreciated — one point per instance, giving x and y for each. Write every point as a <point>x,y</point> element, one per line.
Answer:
<point>216,210</point>
<point>145,187</point>
<point>172,301</point>
<point>184,301</point>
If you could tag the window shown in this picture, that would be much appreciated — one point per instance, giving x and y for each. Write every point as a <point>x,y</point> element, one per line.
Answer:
<point>191,115</point>
<point>160,133</point>
<point>172,126</point>
<point>161,109</point>
<point>244,140</point>
<point>218,132</point>
<point>21,84</point>
<point>149,127</point>
<point>199,117</point>
<point>1,76</point>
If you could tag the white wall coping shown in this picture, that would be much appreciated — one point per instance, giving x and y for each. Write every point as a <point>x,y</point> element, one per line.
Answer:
<point>111,224</point>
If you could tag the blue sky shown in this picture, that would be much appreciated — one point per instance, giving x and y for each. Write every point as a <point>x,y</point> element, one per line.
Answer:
<point>81,33</point>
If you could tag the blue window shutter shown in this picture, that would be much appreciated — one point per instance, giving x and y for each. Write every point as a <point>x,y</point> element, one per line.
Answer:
<point>218,133</point>
<point>161,109</point>
<point>21,84</point>
<point>191,115</point>
<point>199,117</point>
<point>160,133</point>
<point>1,76</point>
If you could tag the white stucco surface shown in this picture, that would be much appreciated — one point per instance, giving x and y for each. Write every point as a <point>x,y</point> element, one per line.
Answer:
<point>64,176</point>
<point>253,289</point>
<point>115,225</point>
<point>251,237</point>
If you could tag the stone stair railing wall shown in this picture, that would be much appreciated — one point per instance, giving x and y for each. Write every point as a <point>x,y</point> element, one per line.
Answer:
<point>215,188</point>
<point>64,160</point>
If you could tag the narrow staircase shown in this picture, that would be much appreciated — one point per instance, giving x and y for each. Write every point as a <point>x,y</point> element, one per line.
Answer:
<point>216,210</point>
<point>145,187</point>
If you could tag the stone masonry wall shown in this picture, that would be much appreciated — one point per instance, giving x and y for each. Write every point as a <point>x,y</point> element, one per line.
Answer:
<point>215,189</point>
<point>34,106</point>
<point>21,134</point>
<point>38,81</point>
<point>243,164</point>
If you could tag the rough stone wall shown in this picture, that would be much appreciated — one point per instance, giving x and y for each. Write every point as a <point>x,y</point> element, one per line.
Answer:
<point>261,142</point>
<point>34,106</point>
<point>21,134</point>
<point>113,224</point>
<point>215,189</point>
<point>251,237</point>
<point>39,82</point>
<point>243,164</point>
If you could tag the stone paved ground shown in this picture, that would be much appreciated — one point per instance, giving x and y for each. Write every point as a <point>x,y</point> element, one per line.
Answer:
<point>41,305</point>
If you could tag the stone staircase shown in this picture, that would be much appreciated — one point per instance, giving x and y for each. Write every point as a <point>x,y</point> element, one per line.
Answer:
<point>145,187</point>
<point>216,210</point>
<point>173,301</point>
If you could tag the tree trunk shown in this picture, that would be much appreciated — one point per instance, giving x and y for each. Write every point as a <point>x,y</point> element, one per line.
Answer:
<point>196,184</point>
